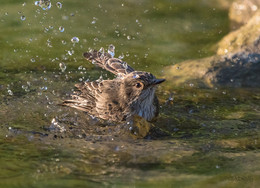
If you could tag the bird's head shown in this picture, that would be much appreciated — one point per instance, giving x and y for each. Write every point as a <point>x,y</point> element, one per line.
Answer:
<point>140,84</point>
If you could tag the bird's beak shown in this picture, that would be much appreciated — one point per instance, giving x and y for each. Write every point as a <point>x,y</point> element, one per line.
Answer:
<point>157,81</point>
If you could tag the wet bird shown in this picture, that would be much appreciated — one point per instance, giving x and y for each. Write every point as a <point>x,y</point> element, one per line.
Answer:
<point>130,93</point>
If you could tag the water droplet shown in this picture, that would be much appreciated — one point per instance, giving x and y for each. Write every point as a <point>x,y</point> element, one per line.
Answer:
<point>54,125</point>
<point>44,88</point>
<point>71,52</point>
<point>171,98</point>
<point>75,40</point>
<point>62,66</point>
<point>100,79</point>
<point>80,67</point>
<point>117,148</point>
<point>32,60</point>
<point>44,4</point>
<point>111,50</point>
<point>61,29</point>
<point>128,37</point>
<point>101,50</point>
<point>136,76</point>
<point>23,17</point>
<point>59,5</point>
<point>10,92</point>
<point>37,3</point>
<point>121,56</point>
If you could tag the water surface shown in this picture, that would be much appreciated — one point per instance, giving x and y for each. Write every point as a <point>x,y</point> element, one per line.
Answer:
<point>203,137</point>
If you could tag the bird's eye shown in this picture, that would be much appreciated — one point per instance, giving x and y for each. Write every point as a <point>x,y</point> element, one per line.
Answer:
<point>138,85</point>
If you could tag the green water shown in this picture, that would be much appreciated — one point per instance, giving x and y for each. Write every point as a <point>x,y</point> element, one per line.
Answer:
<point>203,137</point>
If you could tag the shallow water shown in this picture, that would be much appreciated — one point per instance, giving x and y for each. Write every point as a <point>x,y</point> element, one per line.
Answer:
<point>203,137</point>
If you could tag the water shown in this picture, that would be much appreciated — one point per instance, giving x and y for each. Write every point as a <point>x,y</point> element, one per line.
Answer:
<point>111,50</point>
<point>61,29</point>
<point>44,4</point>
<point>74,40</point>
<point>62,66</point>
<point>23,18</point>
<point>202,138</point>
<point>59,5</point>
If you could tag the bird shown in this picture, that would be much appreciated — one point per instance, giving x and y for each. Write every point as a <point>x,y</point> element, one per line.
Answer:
<point>131,93</point>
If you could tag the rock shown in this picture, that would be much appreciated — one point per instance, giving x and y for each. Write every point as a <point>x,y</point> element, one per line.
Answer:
<point>237,63</point>
<point>236,70</point>
<point>189,72</point>
<point>247,38</point>
<point>241,11</point>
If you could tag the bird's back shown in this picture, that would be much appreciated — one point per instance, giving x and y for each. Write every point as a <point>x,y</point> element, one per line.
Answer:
<point>100,99</point>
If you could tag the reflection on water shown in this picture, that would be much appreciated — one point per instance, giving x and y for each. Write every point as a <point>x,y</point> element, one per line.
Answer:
<point>203,137</point>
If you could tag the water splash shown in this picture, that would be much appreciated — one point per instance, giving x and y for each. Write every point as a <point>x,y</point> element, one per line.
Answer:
<point>101,50</point>
<point>23,18</point>
<point>44,4</point>
<point>75,40</point>
<point>10,92</point>
<point>71,52</point>
<point>62,66</point>
<point>111,50</point>
<point>121,56</point>
<point>59,5</point>
<point>56,126</point>
<point>136,76</point>
<point>61,29</point>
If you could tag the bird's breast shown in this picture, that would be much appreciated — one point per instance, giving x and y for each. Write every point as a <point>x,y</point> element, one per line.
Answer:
<point>146,108</point>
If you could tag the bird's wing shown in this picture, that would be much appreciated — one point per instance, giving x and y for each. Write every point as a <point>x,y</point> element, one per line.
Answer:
<point>98,99</point>
<point>105,61</point>
<point>84,98</point>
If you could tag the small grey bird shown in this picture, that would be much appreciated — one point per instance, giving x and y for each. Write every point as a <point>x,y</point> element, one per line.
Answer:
<point>131,93</point>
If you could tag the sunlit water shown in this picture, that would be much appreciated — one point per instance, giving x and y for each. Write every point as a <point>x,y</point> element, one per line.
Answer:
<point>202,138</point>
